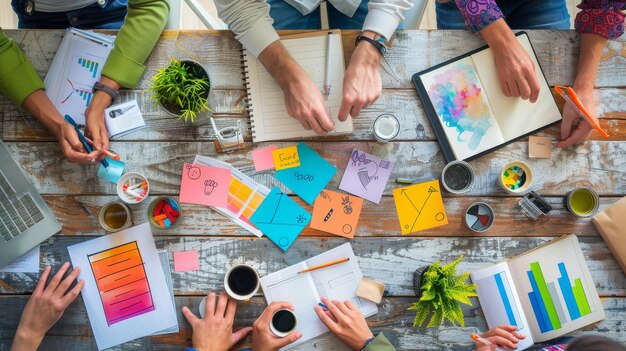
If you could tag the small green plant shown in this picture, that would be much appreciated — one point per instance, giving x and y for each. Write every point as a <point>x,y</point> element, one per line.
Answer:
<point>441,292</point>
<point>177,85</point>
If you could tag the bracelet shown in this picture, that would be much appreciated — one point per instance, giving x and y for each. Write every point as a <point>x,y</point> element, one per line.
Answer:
<point>367,342</point>
<point>378,43</point>
<point>110,91</point>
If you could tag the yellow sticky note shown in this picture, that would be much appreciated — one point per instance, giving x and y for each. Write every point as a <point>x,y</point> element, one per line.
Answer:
<point>420,207</point>
<point>286,158</point>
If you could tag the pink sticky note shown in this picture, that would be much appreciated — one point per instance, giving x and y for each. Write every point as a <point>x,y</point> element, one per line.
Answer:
<point>185,261</point>
<point>204,185</point>
<point>263,158</point>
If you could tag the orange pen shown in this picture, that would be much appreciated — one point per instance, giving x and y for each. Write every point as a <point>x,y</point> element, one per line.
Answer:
<point>109,153</point>
<point>570,96</point>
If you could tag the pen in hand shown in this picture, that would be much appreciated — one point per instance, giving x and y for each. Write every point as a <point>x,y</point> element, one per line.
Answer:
<point>83,140</point>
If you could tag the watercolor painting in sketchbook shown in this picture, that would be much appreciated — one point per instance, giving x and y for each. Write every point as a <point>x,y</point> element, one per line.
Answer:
<point>459,99</point>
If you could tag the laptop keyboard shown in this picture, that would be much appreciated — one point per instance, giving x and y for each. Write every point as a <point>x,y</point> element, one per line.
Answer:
<point>17,214</point>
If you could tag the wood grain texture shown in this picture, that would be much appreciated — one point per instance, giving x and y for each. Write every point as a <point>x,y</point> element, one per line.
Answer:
<point>72,332</point>
<point>162,162</point>
<point>389,260</point>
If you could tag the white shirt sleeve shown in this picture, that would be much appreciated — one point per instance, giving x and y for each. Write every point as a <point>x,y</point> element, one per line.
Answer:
<point>384,16</point>
<point>250,21</point>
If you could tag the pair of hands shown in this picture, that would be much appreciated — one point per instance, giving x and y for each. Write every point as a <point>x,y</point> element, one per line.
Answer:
<point>45,306</point>
<point>502,336</point>
<point>215,331</point>
<point>517,76</point>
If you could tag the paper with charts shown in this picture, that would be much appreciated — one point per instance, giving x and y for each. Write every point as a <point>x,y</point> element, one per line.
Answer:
<point>311,177</point>
<point>305,290</point>
<point>546,292</point>
<point>126,295</point>
<point>366,176</point>
<point>336,213</point>
<point>280,218</point>
<point>204,185</point>
<point>244,195</point>
<point>420,207</point>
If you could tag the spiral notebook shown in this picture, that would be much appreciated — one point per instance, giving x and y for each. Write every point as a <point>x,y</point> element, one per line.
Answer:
<point>266,103</point>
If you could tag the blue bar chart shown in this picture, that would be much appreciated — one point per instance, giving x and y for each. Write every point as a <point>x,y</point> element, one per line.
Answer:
<point>496,291</point>
<point>90,65</point>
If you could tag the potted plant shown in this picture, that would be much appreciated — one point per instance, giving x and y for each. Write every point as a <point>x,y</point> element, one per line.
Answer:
<point>440,291</point>
<point>182,88</point>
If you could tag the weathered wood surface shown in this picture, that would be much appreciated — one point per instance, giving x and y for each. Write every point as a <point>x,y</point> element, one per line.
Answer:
<point>72,332</point>
<point>162,163</point>
<point>390,260</point>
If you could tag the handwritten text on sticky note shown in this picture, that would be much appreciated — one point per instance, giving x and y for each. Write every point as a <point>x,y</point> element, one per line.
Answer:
<point>286,158</point>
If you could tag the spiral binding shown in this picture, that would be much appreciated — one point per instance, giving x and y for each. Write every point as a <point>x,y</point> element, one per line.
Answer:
<point>248,101</point>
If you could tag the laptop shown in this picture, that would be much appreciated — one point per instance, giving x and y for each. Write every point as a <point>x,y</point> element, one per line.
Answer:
<point>25,219</point>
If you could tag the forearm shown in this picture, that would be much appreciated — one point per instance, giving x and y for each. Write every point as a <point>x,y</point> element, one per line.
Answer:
<point>280,64</point>
<point>39,105</point>
<point>18,79</point>
<point>591,46</point>
<point>24,341</point>
<point>497,34</point>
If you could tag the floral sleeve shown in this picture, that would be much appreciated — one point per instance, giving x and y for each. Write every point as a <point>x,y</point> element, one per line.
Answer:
<point>602,17</point>
<point>479,14</point>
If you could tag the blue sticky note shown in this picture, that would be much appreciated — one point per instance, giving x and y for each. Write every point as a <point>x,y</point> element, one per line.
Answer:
<point>310,178</point>
<point>280,218</point>
<point>116,168</point>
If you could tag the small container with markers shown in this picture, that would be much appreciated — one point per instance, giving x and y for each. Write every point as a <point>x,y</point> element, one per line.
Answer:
<point>133,188</point>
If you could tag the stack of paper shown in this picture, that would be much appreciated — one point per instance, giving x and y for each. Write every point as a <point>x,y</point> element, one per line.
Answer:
<point>76,66</point>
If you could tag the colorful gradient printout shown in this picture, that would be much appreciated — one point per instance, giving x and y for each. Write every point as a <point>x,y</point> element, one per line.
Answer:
<point>122,282</point>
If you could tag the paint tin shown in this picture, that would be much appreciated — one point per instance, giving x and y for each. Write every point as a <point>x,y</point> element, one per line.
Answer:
<point>515,177</point>
<point>582,201</point>
<point>115,216</point>
<point>386,127</point>
<point>133,188</point>
<point>164,206</point>
<point>457,177</point>
<point>479,217</point>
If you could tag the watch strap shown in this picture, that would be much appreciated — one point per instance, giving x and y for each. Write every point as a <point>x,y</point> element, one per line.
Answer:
<point>112,92</point>
<point>379,43</point>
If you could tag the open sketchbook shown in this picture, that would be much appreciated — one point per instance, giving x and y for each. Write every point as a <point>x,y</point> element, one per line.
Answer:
<point>268,113</point>
<point>546,292</point>
<point>305,290</point>
<point>469,112</point>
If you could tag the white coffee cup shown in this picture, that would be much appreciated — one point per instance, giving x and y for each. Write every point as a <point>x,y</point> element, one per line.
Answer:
<point>235,291</point>
<point>283,330</point>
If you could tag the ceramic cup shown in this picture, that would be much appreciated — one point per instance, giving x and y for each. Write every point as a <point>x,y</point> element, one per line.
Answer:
<point>242,282</point>
<point>283,322</point>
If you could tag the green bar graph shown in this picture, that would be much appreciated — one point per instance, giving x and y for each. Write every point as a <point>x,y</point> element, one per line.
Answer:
<point>545,295</point>
<point>581,298</point>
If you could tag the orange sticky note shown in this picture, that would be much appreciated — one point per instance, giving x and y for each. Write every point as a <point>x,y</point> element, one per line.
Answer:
<point>336,213</point>
<point>286,158</point>
<point>420,207</point>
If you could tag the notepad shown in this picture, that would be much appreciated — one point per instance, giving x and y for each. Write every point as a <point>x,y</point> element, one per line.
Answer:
<point>268,113</point>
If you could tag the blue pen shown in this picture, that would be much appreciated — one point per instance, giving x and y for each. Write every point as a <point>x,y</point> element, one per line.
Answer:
<point>322,305</point>
<point>83,140</point>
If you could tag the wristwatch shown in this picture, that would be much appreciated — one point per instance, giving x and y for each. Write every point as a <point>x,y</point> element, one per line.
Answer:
<point>378,43</point>
<point>112,92</point>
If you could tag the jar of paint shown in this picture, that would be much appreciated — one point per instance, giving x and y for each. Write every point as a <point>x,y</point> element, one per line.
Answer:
<point>115,216</point>
<point>133,188</point>
<point>457,177</point>
<point>164,212</point>
<point>479,217</point>
<point>515,177</point>
<point>582,202</point>
<point>386,128</point>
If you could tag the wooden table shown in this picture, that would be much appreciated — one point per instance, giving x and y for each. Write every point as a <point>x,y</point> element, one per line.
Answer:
<point>75,194</point>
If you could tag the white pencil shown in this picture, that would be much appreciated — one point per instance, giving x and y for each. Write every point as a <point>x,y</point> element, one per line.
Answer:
<point>329,43</point>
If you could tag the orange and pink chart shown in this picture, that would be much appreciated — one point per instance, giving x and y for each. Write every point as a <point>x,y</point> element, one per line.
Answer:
<point>122,283</point>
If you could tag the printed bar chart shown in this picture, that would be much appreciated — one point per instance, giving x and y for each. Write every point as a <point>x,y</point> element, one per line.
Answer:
<point>121,280</point>
<point>92,66</point>
<point>505,299</point>
<point>495,290</point>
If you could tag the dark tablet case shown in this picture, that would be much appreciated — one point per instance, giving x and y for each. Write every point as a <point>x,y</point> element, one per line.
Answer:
<point>434,120</point>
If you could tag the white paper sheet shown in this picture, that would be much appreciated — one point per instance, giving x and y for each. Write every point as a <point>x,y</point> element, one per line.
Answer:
<point>123,118</point>
<point>111,258</point>
<point>305,290</point>
<point>27,263</point>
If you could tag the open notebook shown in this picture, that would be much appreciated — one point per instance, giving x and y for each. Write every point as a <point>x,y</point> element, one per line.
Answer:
<point>468,111</point>
<point>268,113</point>
<point>546,292</point>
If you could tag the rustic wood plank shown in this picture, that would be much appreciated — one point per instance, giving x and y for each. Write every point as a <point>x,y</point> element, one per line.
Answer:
<point>390,260</point>
<point>229,109</point>
<point>73,332</point>
<point>161,163</point>
<point>79,217</point>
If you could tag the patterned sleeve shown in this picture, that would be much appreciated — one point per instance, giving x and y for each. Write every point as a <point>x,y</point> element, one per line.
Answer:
<point>479,14</point>
<point>602,17</point>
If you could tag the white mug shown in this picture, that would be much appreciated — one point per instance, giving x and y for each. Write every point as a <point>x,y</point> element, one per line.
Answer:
<point>235,295</point>
<point>282,334</point>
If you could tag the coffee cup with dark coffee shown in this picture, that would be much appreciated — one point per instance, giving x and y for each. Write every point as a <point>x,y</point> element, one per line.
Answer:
<point>241,282</point>
<point>283,322</point>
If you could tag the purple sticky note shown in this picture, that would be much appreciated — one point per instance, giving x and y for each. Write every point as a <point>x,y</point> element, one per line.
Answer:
<point>366,176</point>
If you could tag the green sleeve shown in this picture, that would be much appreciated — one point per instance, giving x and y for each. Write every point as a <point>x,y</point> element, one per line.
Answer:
<point>136,39</point>
<point>380,343</point>
<point>18,78</point>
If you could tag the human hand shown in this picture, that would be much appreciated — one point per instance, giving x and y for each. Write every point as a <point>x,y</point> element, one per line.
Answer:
<point>305,103</point>
<point>262,338</point>
<point>346,322</point>
<point>361,83</point>
<point>215,331</point>
<point>72,148</point>
<point>95,126</point>
<point>45,306</point>
<point>501,336</point>
<point>516,70</point>
<point>571,134</point>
